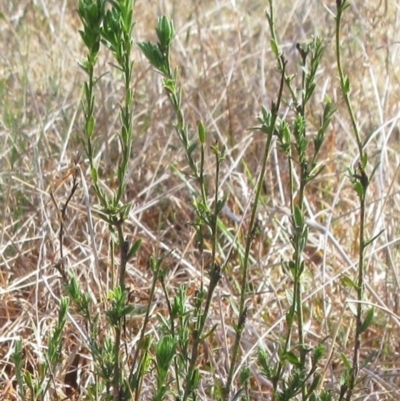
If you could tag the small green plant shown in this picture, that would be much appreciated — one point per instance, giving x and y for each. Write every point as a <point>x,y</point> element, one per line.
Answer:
<point>205,223</point>
<point>360,180</point>
<point>293,372</point>
<point>113,28</point>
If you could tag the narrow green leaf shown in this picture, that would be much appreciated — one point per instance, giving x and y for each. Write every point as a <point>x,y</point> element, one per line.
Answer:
<point>298,216</point>
<point>202,132</point>
<point>94,174</point>
<point>165,32</point>
<point>292,358</point>
<point>204,336</point>
<point>367,321</point>
<point>345,361</point>
<point>289,318</point>
<point>358,187</point>
<point>364,160</point>
<point>191,148</point>
<point>89,126</point>
<point>368,242</point>
<point>348,282</point>
<point>274,48</point>
<point>346,85</point>
<point>165,352</point>
<point>135,248</point>
<point>318,353</point>
<point>28,380</point>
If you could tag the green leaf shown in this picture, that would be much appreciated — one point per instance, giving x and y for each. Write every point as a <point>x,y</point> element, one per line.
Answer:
<point>346,85</point>
<point>169,85</point>
<point>344,5</point>
<point>348,282</point>
<point>318,353</point>
<point>125,209</point>
<point>274,48</point>
<point>153,54</point>
<point>165,32</point>
<point>358,187</point>
<point>292,358</point>
<point>245,375</point>
<point>28,380</point>
<point>373,172</point>
<point>368,242</point>
<point>204,336</point>
<point>364,160</point>
<point>289,317</point>
<point>165,352</point>
<point>127,310</point>
<point>192,148</point>
<point>367,321</point>
<point>298,216</point>
<point>202,132</point>
<point>94,174</point>
<point>135,248</point>
<point>195,379</point>
<point>89,128</point>
<point>345,361</point>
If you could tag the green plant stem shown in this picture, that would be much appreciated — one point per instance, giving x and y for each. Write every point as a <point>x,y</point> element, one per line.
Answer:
<point>124,248</point>
<point>274,38</point>
<point>346,96</point>
<point>360,296</point>
<point>135,361</point>
<point>214,222</point>
<point>348,388</point>
<point>215,274</point>
<point>204,200</point>
<point>249,239</point>
<point>299,232</point>
<point>172,330</point>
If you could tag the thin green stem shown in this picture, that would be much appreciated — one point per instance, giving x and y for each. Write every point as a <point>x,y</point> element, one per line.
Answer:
<point>140,343</point>
<point>360,296</point>
<point>344,83</point>
<point>249,239</point>
<point>215,273</point>
<point>361,183</point>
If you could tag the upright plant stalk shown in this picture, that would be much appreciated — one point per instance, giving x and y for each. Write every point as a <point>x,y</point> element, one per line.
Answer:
<point>344,79</point>
<point>285,142</point>
<point>296,146</point>
<point>117,36</point>
<point>135,377</point>
<point>91,14</point>
<point>360,182</point>
<point>114,29</point>
<point>268,120</point>
<point>215,276</point>
<point>299,227</point>
<point>207,217</point>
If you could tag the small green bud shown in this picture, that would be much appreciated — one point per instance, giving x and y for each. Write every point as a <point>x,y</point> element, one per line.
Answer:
<point>165,33</point>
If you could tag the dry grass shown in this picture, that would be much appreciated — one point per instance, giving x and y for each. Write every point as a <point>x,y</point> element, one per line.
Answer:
<point>228,72</point>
